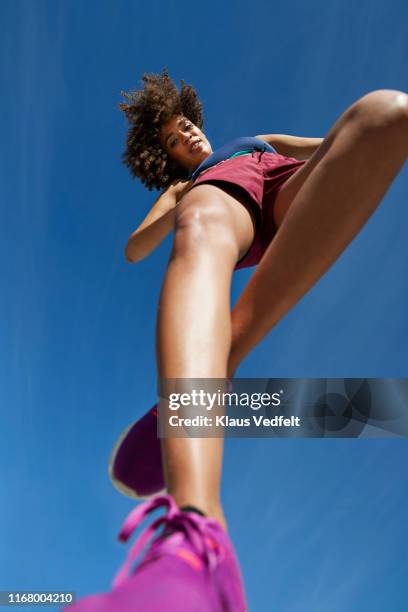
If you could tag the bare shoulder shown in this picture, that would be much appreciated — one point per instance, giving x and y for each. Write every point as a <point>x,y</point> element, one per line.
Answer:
<point>268,137</point>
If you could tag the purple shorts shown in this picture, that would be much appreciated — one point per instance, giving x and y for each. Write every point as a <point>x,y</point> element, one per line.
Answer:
<point>259,176</point>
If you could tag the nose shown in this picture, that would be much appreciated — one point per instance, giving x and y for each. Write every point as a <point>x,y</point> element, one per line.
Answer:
<point>186,136</point>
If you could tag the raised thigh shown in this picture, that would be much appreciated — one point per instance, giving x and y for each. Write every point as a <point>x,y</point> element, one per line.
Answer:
<point>226,209</point>
<point>375,109</point>
<point>291,187</point>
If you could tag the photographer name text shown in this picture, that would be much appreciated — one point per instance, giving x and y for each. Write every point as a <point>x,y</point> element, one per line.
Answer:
<point>227,421</point>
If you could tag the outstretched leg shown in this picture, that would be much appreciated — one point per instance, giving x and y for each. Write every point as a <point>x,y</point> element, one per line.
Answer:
<point>194,328</point>
<point>319,211</point>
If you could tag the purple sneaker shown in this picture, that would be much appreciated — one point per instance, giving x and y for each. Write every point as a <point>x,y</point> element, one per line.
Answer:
<point>135,464</point>
<point>189,567</point>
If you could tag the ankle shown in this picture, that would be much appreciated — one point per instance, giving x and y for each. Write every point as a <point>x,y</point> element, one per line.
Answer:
<point>215,511</point>
<point>209,510</point>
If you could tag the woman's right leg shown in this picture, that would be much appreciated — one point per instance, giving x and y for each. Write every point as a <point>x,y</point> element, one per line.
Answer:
<point>213,230</point>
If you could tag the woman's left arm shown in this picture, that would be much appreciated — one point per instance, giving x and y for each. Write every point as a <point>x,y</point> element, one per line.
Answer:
<point>292,146</point>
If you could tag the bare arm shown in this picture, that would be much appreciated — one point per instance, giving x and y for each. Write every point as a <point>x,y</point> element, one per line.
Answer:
<point>292,146</point>
<point>157,224</point>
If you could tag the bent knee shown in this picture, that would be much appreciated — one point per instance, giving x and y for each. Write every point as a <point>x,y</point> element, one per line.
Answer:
<point>380,109</point>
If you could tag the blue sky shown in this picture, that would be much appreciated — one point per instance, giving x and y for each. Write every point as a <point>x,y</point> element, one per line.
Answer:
<point>319,525</point>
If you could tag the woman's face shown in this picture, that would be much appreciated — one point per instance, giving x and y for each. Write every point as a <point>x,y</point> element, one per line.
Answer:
<point>185,142</point>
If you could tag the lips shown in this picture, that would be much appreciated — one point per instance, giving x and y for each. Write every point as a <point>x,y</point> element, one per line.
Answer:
<point>194,145</point>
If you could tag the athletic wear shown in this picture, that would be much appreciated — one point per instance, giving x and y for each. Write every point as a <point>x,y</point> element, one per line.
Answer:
<point>191,509</point>
<point>229,150</point>
<point>189,567</point>
<point>259,176</point>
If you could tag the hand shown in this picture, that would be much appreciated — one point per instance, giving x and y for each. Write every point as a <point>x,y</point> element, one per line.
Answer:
<point>180,187</point>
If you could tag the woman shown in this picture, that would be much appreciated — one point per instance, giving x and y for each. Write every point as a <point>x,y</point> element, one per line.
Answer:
<point>290,205</point>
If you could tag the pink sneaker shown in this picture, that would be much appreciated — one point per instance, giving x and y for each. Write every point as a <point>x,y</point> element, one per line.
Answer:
<point>189,567</point>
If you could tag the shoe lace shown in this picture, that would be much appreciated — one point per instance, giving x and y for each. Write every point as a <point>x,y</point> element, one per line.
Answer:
<point>206,547</point>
